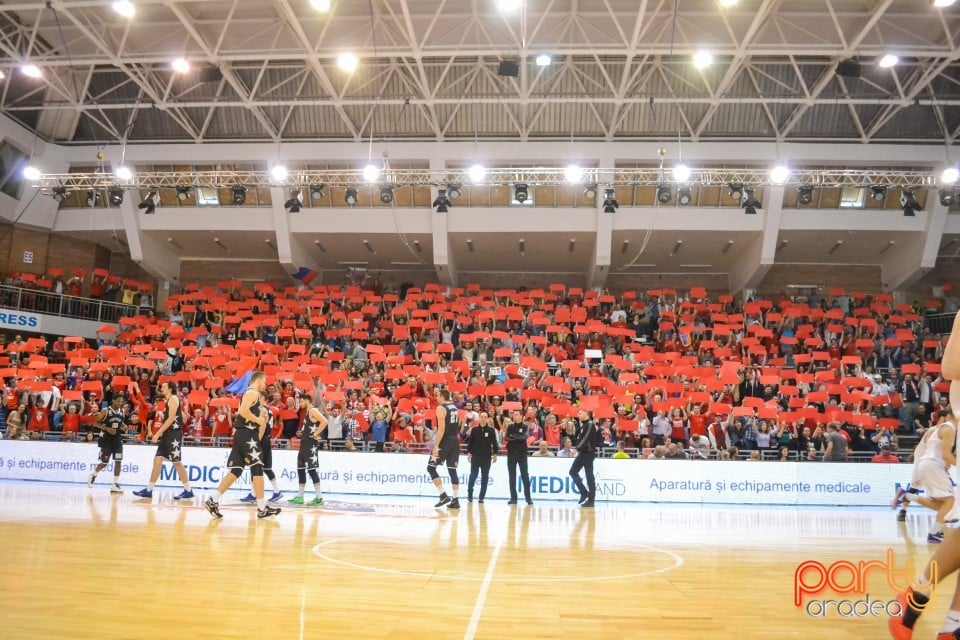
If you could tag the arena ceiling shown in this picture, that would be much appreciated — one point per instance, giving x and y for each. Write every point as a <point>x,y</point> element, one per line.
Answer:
<point>428,69</point>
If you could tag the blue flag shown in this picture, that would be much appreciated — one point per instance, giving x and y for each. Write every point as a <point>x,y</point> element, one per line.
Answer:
<point>240,384</point>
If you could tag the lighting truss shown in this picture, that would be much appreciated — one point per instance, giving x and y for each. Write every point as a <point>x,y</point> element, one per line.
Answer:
<point>649,176</point>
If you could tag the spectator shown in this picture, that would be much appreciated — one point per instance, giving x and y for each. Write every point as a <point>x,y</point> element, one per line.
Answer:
<point>836,444</point>
<point>885,455</point>
<point>620,454</point>
<point>566,450</point>
<point>659,453</point>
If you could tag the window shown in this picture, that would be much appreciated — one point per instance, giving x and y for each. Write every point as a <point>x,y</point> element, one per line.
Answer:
<point>852,197</point>
<point>12,163</point>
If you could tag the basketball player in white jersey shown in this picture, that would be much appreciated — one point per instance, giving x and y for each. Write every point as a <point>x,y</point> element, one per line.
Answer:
<point>899,499</point>
<point>933,458</point>
<point>946,560</point>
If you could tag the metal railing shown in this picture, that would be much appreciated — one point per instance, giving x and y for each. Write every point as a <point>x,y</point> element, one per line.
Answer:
<point>941,323</point>
<point>56,304</point>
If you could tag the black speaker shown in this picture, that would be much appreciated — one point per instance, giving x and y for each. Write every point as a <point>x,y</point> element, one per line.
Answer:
<point>849,69</point>
<point>210,74</point>
<point>509,69</point>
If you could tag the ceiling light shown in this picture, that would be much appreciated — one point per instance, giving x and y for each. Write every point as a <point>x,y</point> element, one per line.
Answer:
<point>124,8</point>
<point>521,193</point>
<point>779,174</point>
<point>320,5</point>
<point>279,173</point>
<point>350,196</point>
<point>30,172</point>
<point>150,203</point>
<point>2,75</point>
<point>909,203</point>
<point>31,71</point>
<point>442,202</point>
<point>949,175</point>
<point>116,196</point>
<point>386,194</point>
<point>469,245</point>
<point>736,190</point>
<point>371,172</point>
<point>610,204</point>
<point>522,245</point>
<point>293,203</point>
<point>453,191</point>
<point>677,247</point>
<point>702,59</point>
<point>476,173</point>
<point>509,6</point>
<point>369,247</point>
<point>239,194</point>
<point>123,173</point>
<point>176,245</point>
<point>948,197</point>
<point>728,3</point>
<point>943,3</point>
<point>573,173</point>
<point>316,191</point>
<point>684,195</point>
<point>783,245</point>
<point>320,246</point>
<point>664,193</point>
<point>888,61</point>
<point>217,242</point>
<point>92,197</point>
<point>805,194</point>
<point>347,62</point>
<point>878,192</point>
<point>626,245</point>
<point>416,245</point>
<point>835,247</point>
<point>543,60</point>
<point>727,247</point>
<point>60,194</point>
<point>750,202</point>
<point>180,65</point>
<point>183,193</point>
<point>681,173</point>
<point>572,246</point>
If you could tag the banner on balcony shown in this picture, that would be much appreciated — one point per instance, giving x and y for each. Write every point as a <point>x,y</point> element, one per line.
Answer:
<point>21,320</point>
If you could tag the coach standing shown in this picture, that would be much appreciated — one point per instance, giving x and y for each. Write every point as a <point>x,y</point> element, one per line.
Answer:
<point>586,452</point>
<point>516,437</point>
<point>481,451</point>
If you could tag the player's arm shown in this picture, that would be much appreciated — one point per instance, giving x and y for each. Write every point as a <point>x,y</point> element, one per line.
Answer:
<point>321,421</point>
<point>98,423</point>
<point>947,438</point>
<point>951,353</point>
<point>173,408</point>
<point>441,427</point>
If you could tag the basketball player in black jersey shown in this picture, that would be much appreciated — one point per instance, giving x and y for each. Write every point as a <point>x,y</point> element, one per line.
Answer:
<point>250,426</point>
<point>169,439</point>
<point>111,422</point>
<point>446,449</point>
<point>267,450</point>
<point>313,425</point>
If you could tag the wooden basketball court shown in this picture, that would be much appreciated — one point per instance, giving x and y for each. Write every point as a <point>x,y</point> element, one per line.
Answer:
<point>83,563</point>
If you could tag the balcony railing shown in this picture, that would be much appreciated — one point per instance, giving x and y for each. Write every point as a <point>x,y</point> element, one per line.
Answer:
<point>55,304</point>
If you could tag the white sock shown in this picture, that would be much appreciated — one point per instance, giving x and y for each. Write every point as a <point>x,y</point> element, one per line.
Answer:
<point>440,490</point>
<point>261,504</point>
<point>319,493</point>
<point>937,528</point>
<point>300,492</point>
<point>456,491</point>
<point>150,486</point>
<point>951,622</point>
<point>186,486</point>
<point>217,498</point>
<point>275,485</point>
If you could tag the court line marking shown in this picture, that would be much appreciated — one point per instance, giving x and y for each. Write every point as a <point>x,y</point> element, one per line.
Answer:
<point>482,595</point>
<point>318,551</point>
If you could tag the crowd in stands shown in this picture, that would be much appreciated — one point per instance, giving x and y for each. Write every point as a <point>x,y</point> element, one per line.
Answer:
<point>666,374</point>
<point>45,293</point>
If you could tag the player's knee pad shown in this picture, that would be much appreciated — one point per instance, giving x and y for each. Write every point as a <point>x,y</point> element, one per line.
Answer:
<point>432,469</point>
<point>314,476</point>
<point>236,471</point>
<point>270,474</point>
<point>256,471</point>
<point>301,476</point>
<point>454,478</point>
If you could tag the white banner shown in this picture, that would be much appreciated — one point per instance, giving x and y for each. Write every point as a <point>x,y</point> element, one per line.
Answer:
<point>19,320</point>
<point>782,483</point>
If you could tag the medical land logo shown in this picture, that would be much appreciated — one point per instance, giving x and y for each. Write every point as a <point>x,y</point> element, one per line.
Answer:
<point>814,581</point>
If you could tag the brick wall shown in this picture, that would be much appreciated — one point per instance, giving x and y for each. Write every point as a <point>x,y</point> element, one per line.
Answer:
<point>850,277</point>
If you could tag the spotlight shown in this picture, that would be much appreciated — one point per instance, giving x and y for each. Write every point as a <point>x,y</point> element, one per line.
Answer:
<point>386,194</point>
<point>350,197</point>
<point>453,191</point>
<point>702,59</point>
<point>320,5</point>
<point>610,204</point>
<point>736,190</point>
<point>779,174</point>
<point>590,191</point>
<point>116,196</point>
<point>31,71</point>
<point>664,193</point>
<point>316,192</point>
<point>573,173</point>
<point>684,195</point>
<point>279,172</point>
<point>347,62</point>
<point>150,203</point>
<point>239,194</point>
<point>293,204</point>
<point>949,175</point>
<point>681,173</point>
<point>544,60</point>
<point>442,203</point>
<point>948,197</point>
<point>371,172</point>
<point>60,194</point>
<point>805,194</point>
<point>909,203</point>
<point>92,197</point>
<point>123,173</point>
<point>124,8</point>
<point>180,65</point>
<point>888,61</point>
<point>31,173</point>
<point>476,173</point>
<point>878,192</point>
<point>183,193</point>
<point>520,193</point>
<point>750,202</point>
